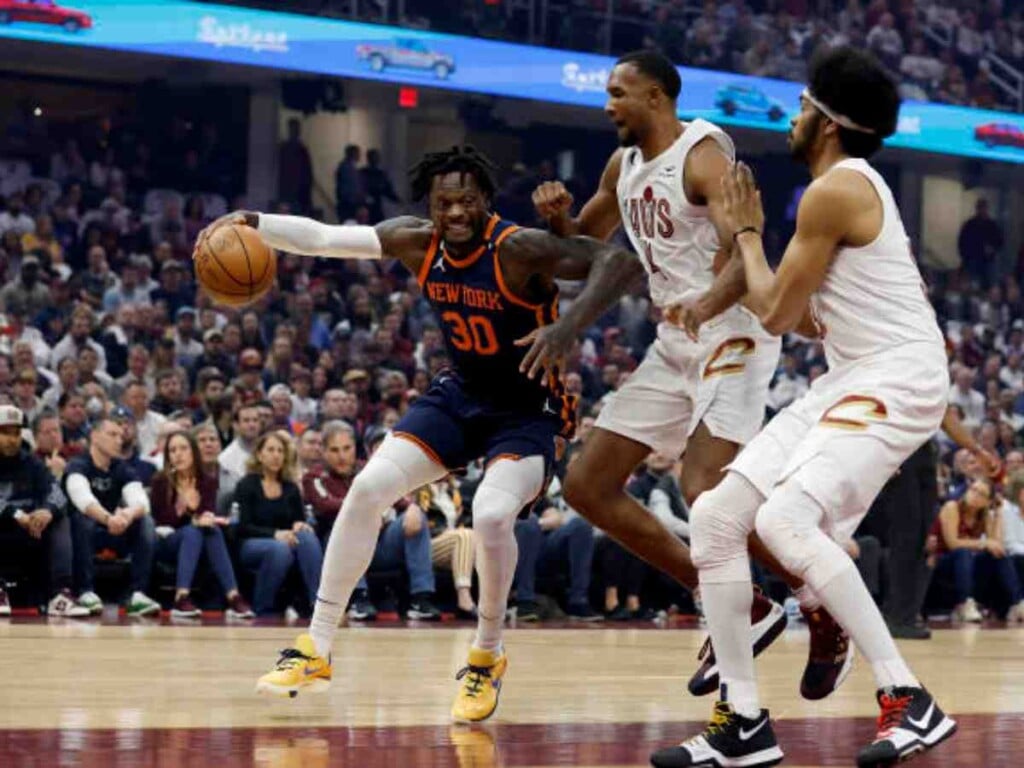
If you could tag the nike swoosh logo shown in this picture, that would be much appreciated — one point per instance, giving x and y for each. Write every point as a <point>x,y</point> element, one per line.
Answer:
<point>746,735</point>
<point>923,722</point>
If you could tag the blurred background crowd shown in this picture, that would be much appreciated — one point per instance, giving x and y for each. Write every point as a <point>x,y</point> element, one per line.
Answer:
<point>215,445</point>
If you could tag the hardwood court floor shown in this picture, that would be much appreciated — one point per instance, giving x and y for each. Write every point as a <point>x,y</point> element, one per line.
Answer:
<point>85,694</point>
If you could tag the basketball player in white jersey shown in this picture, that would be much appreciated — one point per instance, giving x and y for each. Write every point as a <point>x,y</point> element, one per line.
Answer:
<point>703,396</point>
<point>809,477</point>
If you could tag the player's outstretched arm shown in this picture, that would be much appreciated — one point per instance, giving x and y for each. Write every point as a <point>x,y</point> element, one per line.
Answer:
<point>705,166</point>
<point>780,299</point>
<point>405,238</point>
<point>600,215</point>
<point>611,272</point>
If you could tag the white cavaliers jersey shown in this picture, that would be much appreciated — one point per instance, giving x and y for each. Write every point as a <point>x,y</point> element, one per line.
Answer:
<point>873,298</point>
<point>674,238</point>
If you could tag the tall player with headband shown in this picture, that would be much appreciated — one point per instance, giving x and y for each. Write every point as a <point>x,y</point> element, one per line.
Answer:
<point>809,477</point>
<point>705,396</point>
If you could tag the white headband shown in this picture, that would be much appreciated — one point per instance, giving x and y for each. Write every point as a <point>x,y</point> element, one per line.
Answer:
<point>841,120</point>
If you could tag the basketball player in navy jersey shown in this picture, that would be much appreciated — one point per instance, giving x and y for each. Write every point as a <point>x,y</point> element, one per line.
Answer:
<point>490,282</point>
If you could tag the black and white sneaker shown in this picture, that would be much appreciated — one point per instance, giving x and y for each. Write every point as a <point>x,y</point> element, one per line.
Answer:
<point>768,620</point>
<point>361,609</point>
<point>422,608</point>
<point>910,723</point>
<point>729,741</point>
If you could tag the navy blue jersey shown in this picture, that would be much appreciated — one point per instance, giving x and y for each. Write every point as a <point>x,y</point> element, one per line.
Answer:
<point>481,319</point>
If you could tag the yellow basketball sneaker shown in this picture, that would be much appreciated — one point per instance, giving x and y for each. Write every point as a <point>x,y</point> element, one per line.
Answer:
<point>299,668</point>
<point>481,683</point>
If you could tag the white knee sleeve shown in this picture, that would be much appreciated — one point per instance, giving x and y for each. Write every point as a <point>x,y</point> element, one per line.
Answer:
<point>507,487</point>
<point>789,524</point>
<point>720,521</point>
<point>398,467</point>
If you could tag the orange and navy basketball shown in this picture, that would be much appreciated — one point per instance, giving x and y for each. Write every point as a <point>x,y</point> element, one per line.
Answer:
<point>234,265</point>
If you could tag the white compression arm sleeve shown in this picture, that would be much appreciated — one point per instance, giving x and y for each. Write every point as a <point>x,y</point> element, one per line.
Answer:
<point>297,234</point>
<point>134,496</point>
<point>80,493</point>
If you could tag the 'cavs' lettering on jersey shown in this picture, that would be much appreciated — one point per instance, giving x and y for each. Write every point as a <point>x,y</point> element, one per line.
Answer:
<point>453,293</point>
<point>650,216</point>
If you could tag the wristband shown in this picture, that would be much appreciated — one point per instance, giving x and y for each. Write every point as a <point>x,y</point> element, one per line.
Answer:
<point>743,230</point>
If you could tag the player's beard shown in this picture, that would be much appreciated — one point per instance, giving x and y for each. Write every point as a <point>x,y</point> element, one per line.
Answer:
<point>802,138</point>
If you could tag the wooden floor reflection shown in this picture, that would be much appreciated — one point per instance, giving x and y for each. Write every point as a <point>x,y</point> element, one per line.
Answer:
<point>81,694</point>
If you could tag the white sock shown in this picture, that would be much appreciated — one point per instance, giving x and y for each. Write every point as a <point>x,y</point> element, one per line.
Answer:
<point>728,595</point>
<point>507,487</point>
<point>808,600</point>
<point>495,565</point>
<point>850,603</point>
<point>397,468</point>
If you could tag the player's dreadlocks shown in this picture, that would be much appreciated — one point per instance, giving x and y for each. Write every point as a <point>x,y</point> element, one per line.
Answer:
<point>462,158</point>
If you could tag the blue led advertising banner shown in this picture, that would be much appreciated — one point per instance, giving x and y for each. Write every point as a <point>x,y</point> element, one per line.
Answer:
<point>390,54</point>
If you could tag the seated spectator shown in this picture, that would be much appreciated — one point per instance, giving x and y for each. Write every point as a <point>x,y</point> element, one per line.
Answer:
<point>551,542</point>
<point>438,507</point>
<point>49,443</point>
<point>33,523</point>
<point>209,388</point>
<point>303,406</point>
<point>658,490</point>
<point>110,511</point>
<point>186,348</point>
<point>234,459</point>
<point>275,538</point>
<point>885,42</point>
<point>43,239</point>
<point>67,381</point>
<point>920,68</point>
<point>170,395</point>
<point>78,336</point>
<point>311,452</point>
<point>147,422</point>
<point>968,539</point>
<point>28,295</point>
<point>281,402</point>
<point>24,395</point>
<point>138,371</point>
<point>403,539</point>
<point>143,468</point>
<point>74,421</point>
<point>15,219</point>
<point>184,509</point>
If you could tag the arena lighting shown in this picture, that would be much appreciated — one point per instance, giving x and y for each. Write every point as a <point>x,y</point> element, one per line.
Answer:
<point>408,97</point>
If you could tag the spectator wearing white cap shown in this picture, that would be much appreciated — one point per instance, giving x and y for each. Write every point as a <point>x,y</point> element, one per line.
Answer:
<point>32,517</point>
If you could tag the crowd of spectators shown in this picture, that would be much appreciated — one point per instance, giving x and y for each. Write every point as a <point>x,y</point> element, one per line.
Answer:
<point>205,451</point>
<point>940,50</point>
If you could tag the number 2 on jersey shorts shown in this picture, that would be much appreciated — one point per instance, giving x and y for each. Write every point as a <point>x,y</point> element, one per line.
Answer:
<point>721,380</point>
<point>848,435</point>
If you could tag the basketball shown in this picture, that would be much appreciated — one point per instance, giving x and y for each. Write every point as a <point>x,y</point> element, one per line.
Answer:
<point>234,265</point>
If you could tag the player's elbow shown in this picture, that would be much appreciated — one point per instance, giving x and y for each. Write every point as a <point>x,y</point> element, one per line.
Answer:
<point>777,322</point>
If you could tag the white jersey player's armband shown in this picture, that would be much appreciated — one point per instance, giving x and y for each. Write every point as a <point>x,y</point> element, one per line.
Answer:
<point>297,234</point>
